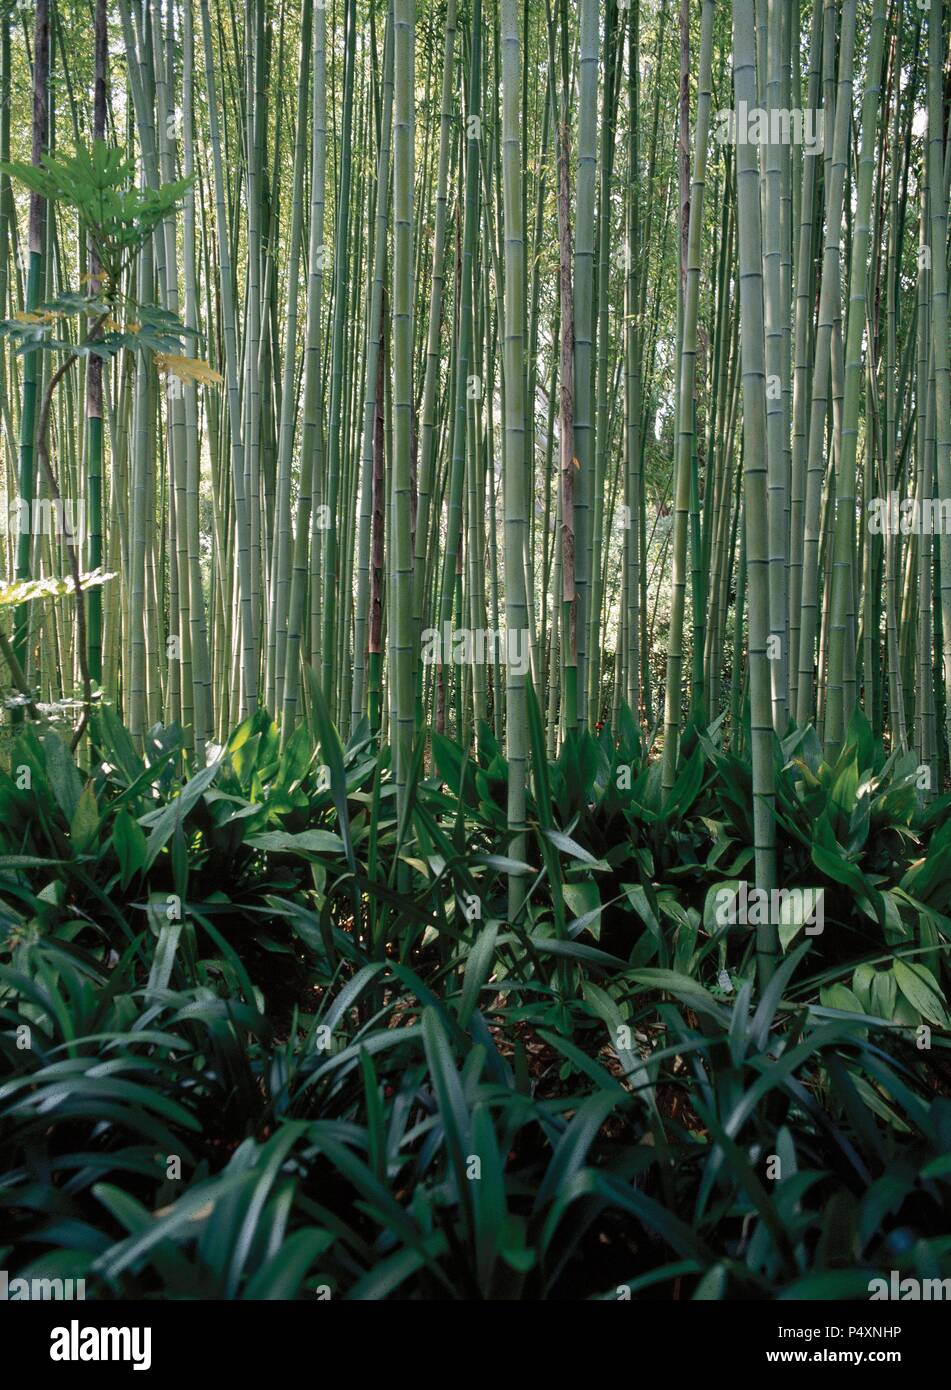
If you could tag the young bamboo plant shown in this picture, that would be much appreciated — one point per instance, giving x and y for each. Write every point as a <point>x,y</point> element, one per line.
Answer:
<point>117,218</point>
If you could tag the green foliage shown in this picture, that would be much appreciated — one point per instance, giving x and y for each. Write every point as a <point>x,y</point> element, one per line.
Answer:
<point>114,211</point>
<point>117,216</point>
<point>239,1064</point>
<point>29,590</point>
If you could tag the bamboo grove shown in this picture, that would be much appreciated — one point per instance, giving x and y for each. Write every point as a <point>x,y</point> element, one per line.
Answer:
<point>584,357</point>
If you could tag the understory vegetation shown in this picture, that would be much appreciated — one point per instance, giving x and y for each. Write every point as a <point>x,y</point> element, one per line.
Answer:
<point>265,1038</point>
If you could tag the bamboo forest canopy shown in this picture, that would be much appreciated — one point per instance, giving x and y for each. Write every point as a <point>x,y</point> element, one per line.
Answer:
<point>471,364</point>
<point>475,653</point>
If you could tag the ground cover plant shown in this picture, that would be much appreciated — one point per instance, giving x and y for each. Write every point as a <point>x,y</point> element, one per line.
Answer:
<point>476,623</point>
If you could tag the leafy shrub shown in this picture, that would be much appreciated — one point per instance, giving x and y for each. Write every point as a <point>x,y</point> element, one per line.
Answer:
<point>261,1040</point>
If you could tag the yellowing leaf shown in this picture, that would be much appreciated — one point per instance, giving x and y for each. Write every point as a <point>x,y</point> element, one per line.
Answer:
<point>27,590</point>
<point>187,369</point>
<point>24,317</point>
